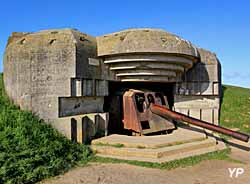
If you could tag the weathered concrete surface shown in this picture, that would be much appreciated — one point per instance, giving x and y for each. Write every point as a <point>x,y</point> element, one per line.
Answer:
<point>163,148</point>
<point>41,68</point>
<point>84,127</point>
<point>179,136</point>
<point>69,106</point>
<point>146,55</point>
<point>198,95</point>
<point>144,41</point>
<point>145,67</point>
<point>160,155</point>
<point>37,69</point>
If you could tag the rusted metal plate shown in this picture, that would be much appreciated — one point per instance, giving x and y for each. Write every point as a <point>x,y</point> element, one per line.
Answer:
<point>138,116</point>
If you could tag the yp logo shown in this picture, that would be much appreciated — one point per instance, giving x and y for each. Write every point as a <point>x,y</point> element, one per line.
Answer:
<point>235,172</point>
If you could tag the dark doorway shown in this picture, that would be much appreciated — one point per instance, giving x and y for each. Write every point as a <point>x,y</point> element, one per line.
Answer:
<point>73,130</point>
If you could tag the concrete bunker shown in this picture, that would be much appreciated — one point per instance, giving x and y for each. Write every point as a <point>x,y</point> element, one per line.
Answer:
<point>76,82</point>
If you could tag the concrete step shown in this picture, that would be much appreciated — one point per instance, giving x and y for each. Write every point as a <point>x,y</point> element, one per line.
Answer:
<point>162,154</point>
<point>179,136</point>
<point>154,153</point>
<point>183,142</point>
<point>200,151</point>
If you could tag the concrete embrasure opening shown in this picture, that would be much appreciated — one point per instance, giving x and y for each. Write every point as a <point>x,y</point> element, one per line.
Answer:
<point>114,102</point>
<point>73,130</point>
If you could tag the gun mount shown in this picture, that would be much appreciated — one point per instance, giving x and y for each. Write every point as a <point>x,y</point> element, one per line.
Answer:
<point>148,112</point>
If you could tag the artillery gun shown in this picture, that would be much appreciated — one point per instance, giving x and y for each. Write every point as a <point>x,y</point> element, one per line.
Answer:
<point>148,112</point>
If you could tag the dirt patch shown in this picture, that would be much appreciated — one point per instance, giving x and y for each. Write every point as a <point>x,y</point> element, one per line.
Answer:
<point>207,172</point>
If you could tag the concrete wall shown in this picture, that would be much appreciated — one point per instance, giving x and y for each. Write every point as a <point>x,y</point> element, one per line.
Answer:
<point>54,74</point>
<point>199,94</point>
<point>87,126</point>
<point>69,106</point>
<point>37,70</point>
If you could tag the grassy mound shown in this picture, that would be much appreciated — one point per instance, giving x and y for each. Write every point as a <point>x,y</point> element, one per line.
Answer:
<point>31,150</point>
<point>235,109</point>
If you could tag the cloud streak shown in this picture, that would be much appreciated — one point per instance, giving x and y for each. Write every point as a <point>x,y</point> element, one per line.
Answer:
<point>237,78</point>
<point>237,75</point>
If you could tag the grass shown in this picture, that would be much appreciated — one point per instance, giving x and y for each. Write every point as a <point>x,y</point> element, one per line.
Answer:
<point>31,150</point>
<point>235,109</point>
<point>118,145</point>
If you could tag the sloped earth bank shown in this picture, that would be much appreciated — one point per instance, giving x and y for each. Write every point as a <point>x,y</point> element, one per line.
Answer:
<point>211,172</point>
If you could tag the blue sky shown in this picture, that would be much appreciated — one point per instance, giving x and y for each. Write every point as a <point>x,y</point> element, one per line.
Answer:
<point>218,25</point>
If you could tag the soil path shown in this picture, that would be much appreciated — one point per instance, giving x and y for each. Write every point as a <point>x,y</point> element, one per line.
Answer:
<point>207,172</point>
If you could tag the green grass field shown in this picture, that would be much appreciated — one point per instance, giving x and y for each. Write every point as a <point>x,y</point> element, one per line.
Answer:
<point>31,150</point>
<point>235,109</point>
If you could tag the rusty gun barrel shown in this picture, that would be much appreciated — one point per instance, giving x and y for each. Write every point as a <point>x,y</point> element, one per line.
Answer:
<point>165,112</point>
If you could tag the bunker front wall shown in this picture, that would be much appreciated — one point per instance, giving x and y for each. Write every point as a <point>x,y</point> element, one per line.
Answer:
<point>37,69</point>
<point>198,95</point>
<point>83,128</point>
<point>55,74</point>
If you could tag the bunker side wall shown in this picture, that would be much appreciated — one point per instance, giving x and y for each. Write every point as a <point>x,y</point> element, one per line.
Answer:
<point>199,94</point>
